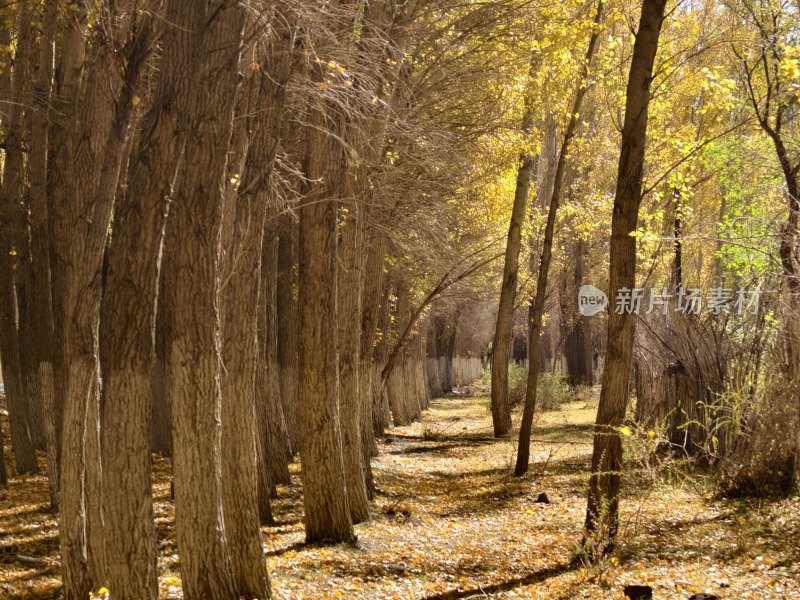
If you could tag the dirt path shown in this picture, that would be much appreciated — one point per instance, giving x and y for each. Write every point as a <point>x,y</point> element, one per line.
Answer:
<point>450,521</point>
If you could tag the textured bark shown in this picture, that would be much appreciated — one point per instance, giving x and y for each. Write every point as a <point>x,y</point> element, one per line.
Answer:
<point>13,232</point>
<point>324,495</point>
<point>205,95</point>
<point>287,325</point>
<point>82,186</point>
<point>380,400</point>
<point>27,345</point>
<point>537,304</point>
<point>160,432</point>
<point>602,508</point>
<point>349,290</point>
<point>445,344</point>
<point>327,512</point>
<point>371,306</point>
<point>271,463</point>
<point>501,347</point>
<point>398,391</point>
<point>41,285</point>
<point>419,380</point>
<point>246,213</point>
<point>274,436</point>
<point>128,332</point>
<point>22,445</point>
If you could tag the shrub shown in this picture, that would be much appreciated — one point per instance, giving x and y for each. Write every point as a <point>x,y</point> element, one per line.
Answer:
<point>517,383</point>
<point>757,445</point>
<point>553,388</point>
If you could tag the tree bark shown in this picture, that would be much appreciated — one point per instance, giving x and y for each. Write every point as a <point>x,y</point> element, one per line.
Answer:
<point>349,290</point>
<point>41,284</point>
<point>327,511</point>
<point>27,341</point>
<point>205,98</point>
<point>160,431</point>
<point>128,333</point>
<point>12,237</point>
<point>537,305</point>
<point>274,436</point>
<point>287,326</point>
<point>247,213</point>
<point>88,152</point>
<point>602,507</point>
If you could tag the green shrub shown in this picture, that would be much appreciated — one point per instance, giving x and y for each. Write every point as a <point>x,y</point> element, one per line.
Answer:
<point>553,391</point>
<point>517,383</point>
<point>553,388</point>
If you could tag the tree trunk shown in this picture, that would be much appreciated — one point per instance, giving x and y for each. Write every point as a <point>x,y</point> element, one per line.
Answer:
<point>602,507</point>
<point>12,236</point>
<point>27,344</point>
<point>380,400</point>
<point>501,347</point>
<point>128,333</point>
<point>22,445</point>
<point>205,104</point>
<point>537,305</point>
<point>41,285</point>
<point>349,290</point>
<point>160,432</point>
<point>274,436</point>
<point>327,511</point>
<point>247,213</point>
<point>287,326</point>
<point>578,337</point>
<point>90,136</point>
<point>370,318</point>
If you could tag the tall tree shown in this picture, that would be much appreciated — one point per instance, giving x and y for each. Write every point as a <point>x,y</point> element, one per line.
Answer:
<point>94,106</point>
<point>325,499</point>
<point>41,283</point>
<point>537,305</point>
<point>128,334</point>
<point>773,98</point>
<point>13,233</point>
<point>206,89</point>
<point>603,502</point>
<point>286,309</point>
<point>501,346</point>
<point>268,70</point>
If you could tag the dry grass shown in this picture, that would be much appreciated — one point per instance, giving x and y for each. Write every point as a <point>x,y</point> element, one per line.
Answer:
<point>463,526</point>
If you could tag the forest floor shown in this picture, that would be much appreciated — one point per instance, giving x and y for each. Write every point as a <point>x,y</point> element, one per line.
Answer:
<point>451,521</point>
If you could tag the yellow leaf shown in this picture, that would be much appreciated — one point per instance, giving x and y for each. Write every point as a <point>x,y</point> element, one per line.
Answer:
<point>625,430</point>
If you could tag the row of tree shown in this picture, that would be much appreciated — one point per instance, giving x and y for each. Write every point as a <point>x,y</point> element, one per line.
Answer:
<point>211,222</point>
<point>235,231</point>
<point>715,172</point>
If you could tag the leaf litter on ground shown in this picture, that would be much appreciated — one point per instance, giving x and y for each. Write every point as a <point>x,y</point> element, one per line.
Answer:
<point>450,520</point>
